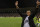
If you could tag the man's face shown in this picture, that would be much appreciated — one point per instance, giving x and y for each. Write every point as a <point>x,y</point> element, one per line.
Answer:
<point>28,13</point>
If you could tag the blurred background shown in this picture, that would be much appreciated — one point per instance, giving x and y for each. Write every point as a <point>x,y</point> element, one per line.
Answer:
<point>9,17</point>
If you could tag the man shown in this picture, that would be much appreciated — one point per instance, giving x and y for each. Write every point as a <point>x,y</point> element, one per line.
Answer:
<point>27,20</point>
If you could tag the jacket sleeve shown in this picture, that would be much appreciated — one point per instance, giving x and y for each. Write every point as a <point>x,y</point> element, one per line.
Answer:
<point>21,14</point>
<point>34,13</point>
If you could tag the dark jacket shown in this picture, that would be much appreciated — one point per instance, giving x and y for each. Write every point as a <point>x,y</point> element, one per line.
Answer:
<point>31,22</point>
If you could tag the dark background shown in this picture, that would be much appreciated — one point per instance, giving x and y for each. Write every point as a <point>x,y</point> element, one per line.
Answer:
<point>22,3</point>
<point>7,7</point>
<point>8,12</point>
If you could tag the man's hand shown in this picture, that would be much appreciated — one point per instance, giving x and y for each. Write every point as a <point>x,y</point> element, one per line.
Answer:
<point>37,4</point>
<point>16,4</point>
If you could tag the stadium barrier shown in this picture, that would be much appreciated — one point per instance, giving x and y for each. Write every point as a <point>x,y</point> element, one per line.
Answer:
<point>7,12</point>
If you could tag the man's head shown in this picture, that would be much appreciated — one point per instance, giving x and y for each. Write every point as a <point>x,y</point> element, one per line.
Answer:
<point>28,12</point>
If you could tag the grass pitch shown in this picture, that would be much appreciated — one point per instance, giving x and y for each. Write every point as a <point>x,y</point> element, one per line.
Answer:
<point>10,21</point>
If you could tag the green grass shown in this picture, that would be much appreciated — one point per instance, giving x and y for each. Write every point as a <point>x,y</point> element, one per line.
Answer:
<point>11,21</point>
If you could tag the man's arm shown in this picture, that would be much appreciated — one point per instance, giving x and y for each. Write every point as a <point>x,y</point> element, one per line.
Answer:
<point>36,10</point>
<point>21,14</point>
<point>16,4</point>
<point>34,13</point>
<point>17,8</point>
